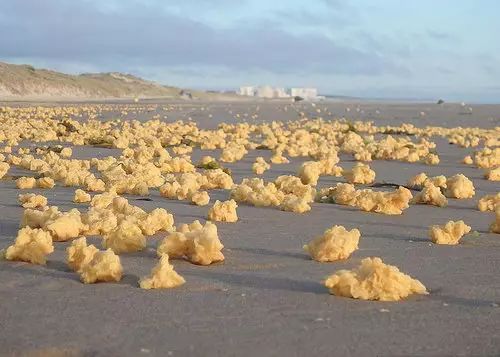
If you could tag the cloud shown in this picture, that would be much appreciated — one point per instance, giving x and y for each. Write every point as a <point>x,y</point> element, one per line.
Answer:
<point>490,70</point>
<point>145,33</point>
<point>336,4</point>
<point>445,70</point>
<point>339,46</point>
<point>440,36</point>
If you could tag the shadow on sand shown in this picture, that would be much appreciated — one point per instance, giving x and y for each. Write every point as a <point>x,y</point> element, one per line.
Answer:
<point>261,282</point>
<point>269,252</point>
<point>456,300</point>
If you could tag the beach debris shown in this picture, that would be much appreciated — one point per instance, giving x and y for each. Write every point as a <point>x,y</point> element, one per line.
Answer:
<point>163,276</point>
<point>32,245</point>
<point>223,211</point>
<point>336,243</point>
<point>196,243</point>
<point>374,280</point>
<point>450,233</point>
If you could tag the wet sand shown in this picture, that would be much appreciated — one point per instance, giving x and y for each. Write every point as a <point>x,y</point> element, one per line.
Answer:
<point>267,299</point>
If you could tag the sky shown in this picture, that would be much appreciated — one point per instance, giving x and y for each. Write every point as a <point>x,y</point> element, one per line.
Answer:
<point>423,49</point>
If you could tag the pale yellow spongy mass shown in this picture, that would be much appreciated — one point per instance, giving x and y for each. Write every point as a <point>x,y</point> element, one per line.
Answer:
<point>374,280</point>
<point>335,243</point>
<point>162,276</point>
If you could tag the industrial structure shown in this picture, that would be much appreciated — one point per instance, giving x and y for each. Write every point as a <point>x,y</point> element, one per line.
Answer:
<point>279,92</point>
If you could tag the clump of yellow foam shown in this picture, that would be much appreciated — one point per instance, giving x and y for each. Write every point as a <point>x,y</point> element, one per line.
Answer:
<point>374,280</point>
<point>163,276</point>
<point>194,242</point>
<point>450,233</point>
<point>32,245</point>
<point>335,243</point>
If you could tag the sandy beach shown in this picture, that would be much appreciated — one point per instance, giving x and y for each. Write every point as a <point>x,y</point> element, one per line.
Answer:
<point>267,297</point>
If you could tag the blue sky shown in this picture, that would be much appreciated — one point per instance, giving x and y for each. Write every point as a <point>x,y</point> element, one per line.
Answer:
<point>385,48</point>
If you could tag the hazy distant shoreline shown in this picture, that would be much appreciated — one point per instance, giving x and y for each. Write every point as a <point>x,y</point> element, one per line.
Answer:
<point>24,83</point>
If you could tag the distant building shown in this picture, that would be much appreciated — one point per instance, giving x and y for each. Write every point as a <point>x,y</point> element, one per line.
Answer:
<point>247,90</point>
<point>306,93</point>
<point>278,92</point>
<point>265,92</point>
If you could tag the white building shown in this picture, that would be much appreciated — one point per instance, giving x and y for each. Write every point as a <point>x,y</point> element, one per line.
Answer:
<point>265,92</point>
<point>247,90</point>
<point>278,92</point>
<point>306,93</point>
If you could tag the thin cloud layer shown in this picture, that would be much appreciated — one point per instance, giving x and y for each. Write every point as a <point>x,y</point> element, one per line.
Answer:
<point>149,36</point>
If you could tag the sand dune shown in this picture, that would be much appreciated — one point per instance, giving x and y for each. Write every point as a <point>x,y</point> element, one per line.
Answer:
<point>24,82</point>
